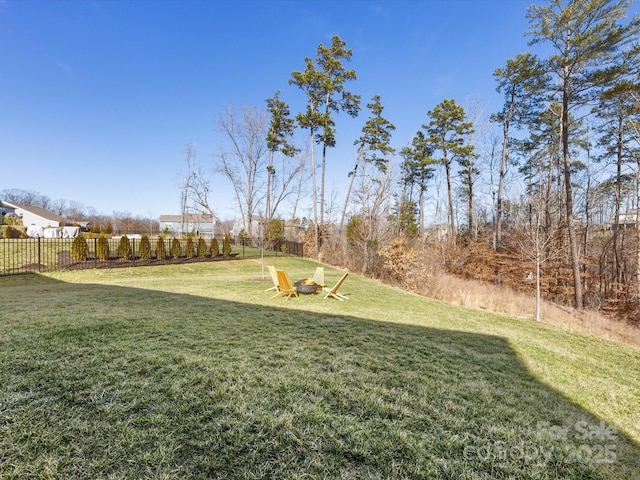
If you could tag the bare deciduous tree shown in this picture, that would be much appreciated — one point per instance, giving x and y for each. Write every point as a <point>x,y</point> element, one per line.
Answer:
<point>242,158</point>
<point>185,182</point>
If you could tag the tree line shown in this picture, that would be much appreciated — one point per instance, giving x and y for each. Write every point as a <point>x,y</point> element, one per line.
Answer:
<point>544,180</point>
<point>75,211</point>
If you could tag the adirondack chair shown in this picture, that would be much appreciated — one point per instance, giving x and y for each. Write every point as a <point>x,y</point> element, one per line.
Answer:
<point>274,278</point>
<point>318,277</point>
<point>333,292</point>
<point>285,288</point>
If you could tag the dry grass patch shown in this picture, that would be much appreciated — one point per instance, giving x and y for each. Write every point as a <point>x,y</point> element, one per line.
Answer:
<point>503,300</point>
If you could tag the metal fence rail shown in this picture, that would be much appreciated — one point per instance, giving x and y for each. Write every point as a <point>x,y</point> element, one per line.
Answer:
<point>29,255</point>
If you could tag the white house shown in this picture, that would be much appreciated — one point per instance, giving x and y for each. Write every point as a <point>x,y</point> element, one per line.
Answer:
<point>202,225</point>
<point>239,225</point>
<point>628,218</point>
<point>40,222</point>
<point>293,230</point>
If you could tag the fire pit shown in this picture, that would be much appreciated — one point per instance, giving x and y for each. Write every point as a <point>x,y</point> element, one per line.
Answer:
<point>306,286</point>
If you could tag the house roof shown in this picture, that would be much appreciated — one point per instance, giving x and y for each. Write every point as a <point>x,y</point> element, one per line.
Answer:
<point>41,212</point>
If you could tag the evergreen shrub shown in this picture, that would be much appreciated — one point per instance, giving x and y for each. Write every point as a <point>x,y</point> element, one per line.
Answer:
<point>79,248</point>
<point>226,245</point>
<point>161,248</point>
<point>190,248</point>
<point>176,248</point>
<point>202,247</point>
<point>215,247</point>
<point>102,248</point>
<point>124,248</point>
<point>145,247</point>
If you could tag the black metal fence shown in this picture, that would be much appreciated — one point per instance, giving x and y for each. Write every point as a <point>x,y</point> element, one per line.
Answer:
<point>29,255</point>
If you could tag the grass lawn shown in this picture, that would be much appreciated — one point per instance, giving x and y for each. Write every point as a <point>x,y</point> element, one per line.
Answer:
<point>193,371</point>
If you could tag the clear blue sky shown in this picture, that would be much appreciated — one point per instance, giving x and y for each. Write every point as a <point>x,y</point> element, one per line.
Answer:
<point>99,98</point>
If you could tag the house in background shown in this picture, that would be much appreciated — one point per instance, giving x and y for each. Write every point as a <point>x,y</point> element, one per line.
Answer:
<point>202,225</point>
<point>293,229</point>
<point>628,219</point>
<point>40,222</point>
<point>240,227</point>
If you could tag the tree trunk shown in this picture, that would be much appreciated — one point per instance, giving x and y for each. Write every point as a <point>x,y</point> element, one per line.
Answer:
<point>421,212</point>
<point>638,237</point>
<point>343,239</point>
<point>452,220</point>
<point>322,176</point>
<point>616,256</point>
<point>316,229</point>
<point>573,241</point>
<point>502,173</point>
<point>470,211</point>
<point>346,200</point>
<point>268,201</point>
<point>538,269</point>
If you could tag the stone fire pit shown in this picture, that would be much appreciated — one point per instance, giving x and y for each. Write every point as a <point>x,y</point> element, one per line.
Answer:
<point>304,286</point>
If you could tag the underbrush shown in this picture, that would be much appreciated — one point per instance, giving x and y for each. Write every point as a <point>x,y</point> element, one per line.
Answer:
<point>423,271</point>
<point>504,300</point>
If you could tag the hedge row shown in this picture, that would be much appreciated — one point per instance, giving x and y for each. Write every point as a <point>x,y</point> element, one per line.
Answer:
<point>163,249</point>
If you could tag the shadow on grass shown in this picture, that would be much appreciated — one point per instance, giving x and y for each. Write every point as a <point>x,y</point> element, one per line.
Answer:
<point>113,382</point>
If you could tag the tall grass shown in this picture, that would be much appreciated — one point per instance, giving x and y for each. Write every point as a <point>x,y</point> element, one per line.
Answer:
<point>193,371</point>
<point>504,300</point>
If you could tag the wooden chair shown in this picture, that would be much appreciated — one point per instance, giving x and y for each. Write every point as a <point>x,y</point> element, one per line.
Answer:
<point>274,278</point>
<point>318,277</point>
<point>333,292</point>
<point>285,288</point>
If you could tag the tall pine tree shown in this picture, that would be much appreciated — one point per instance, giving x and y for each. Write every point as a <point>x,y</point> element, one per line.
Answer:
<point>586,37</point>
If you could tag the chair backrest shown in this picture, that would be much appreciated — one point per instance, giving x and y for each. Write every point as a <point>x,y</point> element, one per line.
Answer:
<point>337,285</point>
<point>283,281</point>
<point>318,276</point>
<point>274,275</point>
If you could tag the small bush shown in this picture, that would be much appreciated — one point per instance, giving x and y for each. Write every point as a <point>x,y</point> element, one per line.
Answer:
<point>14,231</point>
<point>215,248</point>
<point>226,245</point>
<point>176,248</point>
<point>202,247</point>
<point>79,248</point>
<point>102,248</point>
<point>124,248</point>
<point>274,232</point>
<point>244,237</point>
<point>190,248</point>
<point>161,248</point>
<point>145,247</point>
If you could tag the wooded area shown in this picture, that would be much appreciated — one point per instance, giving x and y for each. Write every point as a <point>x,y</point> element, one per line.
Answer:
<point>540,196</point>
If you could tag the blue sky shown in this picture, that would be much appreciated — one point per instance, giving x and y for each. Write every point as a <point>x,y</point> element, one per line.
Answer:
<point>99,98</point>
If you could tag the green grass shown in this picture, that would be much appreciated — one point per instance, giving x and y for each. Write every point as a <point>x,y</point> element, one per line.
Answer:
<point>193,371</point>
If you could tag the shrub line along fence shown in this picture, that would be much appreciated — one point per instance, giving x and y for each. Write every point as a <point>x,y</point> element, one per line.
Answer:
<point>30,255</point>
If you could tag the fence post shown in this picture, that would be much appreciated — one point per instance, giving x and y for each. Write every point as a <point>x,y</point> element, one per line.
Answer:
<point>39,256</point>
